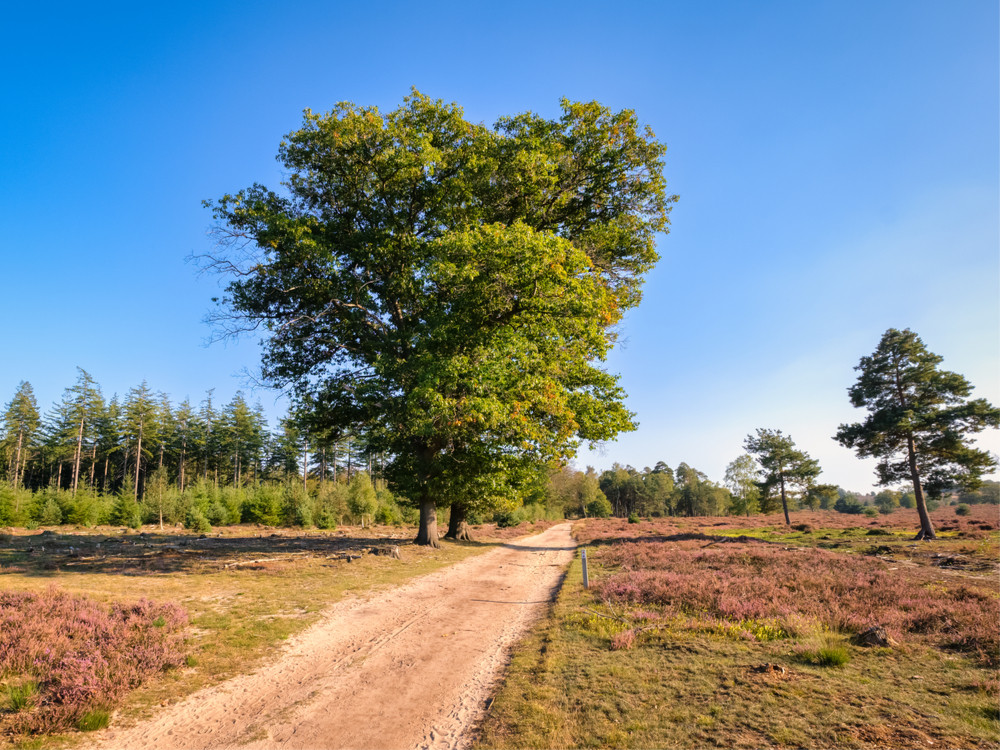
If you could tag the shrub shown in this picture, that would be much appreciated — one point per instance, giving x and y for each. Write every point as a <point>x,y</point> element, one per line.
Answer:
<point>331,504</point>
<point>51,513</point>
<point>962,509</point>
<point>599,507</point>
<point>361,498</point>
<point>508,518</point>
<point>298,509</point>
<point>126,511</point>
<point>871,512</point>
<point>633,518</point>
<point>195,521</point>
<point>265,505</point>
<point>82,655</point>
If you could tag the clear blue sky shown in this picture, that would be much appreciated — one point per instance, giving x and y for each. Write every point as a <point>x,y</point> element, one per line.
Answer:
<point>837,164</point>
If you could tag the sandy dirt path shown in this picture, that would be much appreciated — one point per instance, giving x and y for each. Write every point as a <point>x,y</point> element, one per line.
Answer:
<point>412,667</point>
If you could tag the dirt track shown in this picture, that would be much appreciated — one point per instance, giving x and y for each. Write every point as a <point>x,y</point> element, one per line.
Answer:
<point>411,667</point>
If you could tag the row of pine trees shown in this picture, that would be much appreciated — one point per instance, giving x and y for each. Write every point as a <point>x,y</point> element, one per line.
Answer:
<point>87,442</point>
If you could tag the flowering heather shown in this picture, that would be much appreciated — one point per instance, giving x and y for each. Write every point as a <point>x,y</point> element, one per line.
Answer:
<point>84,655</point>
<point>981,519</point>
<point>741,583</point>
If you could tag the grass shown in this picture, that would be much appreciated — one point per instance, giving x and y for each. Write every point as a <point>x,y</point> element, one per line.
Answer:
<point>650,656</point>
<point>21,695</point>
<point>245,590</point>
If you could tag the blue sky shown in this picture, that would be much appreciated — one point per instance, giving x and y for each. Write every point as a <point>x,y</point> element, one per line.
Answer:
<point>837,164</point>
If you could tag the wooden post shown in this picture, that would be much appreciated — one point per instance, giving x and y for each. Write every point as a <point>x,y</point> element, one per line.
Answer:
<point>586,578</point>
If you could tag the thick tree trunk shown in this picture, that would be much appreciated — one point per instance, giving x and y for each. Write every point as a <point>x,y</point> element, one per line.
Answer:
<point>926,529</point>
<point>784,502</point>
<point>458,528</point>
<point>428,533</point>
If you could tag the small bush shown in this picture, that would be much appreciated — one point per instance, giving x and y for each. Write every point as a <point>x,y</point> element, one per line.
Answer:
<point>633,518</point>
<point>599,507</point>
<point>126,511</point>
<point>84,656</point>
<point>871,512</point>
<point>265,505</point>
<point>508,518</point>
<point>195,521</point>
<point>962,509</point>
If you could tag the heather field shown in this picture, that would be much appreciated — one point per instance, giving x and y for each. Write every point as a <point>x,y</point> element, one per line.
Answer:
<point>838,632</point>
<point>102,625</point>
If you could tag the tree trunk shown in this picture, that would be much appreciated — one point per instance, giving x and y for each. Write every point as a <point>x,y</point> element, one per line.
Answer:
<point>17,457</point>
<point>138,459</point>
<point>784,502</point>
<point>76,457</point>
<point>180,467</point>
<point>458,528</point>
<point>428,533</point>
<point>93,463</point>
<point>926,529</point>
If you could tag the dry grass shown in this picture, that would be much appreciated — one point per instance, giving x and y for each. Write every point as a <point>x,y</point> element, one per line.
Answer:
<point>691,637</point>
<point>245,589</point>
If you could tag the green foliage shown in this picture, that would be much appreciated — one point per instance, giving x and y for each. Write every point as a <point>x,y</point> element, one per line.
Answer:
<point>919,420</point>
<point>331,505</point>
<point>887,501</point>
<point>826,656</point>
<point>870,511</point>
<point>126,511</point>
<point>195,520</point>
<point>21,695</point>
<point>783,465</point>
<point>93,720</point>
<point>741,479</point>
<point>962,509</point>
<point>299,507</point>
<point>361,498</point>
<point>849,503</point>
<point>266,505</point>
<point>50,514</point>
<point>462,319</point>
<point>599,507</point>
<point>633,518</point>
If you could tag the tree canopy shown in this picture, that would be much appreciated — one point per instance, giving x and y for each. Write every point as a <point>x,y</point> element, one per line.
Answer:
<point>783,464</point>
<point>450,286</point>
<point>919,421</point>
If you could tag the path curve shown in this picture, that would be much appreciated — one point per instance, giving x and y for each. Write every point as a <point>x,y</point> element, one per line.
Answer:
<point>412,667</point>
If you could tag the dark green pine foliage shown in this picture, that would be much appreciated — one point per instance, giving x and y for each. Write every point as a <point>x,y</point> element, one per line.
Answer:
<point>919,421</point>
<point>783,465</point>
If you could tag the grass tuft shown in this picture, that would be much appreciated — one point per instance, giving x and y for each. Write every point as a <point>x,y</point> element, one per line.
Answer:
<point>93,720</point>
<point>21,695</point>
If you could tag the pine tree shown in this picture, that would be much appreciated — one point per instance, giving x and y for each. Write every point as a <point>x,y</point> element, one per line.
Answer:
<point>21,422</point>
<point>919,421</point>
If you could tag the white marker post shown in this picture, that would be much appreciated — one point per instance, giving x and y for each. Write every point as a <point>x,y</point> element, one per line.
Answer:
<point>586,578</point>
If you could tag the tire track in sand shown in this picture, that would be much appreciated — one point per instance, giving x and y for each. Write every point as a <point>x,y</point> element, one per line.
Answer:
<point>411,667</point>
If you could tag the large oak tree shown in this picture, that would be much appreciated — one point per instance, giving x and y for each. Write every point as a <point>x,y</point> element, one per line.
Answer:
<point>449,287</point>
<point>919,421</point>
